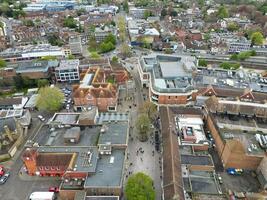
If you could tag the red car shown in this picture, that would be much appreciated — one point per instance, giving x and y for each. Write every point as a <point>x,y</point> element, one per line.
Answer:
<point>53,189</point>
<point>2,171</point>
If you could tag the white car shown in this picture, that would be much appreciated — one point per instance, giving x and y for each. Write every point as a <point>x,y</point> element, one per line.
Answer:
<point>41,118</point>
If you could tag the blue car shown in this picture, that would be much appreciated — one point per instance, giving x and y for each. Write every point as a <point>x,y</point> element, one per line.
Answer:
<point>233,171</point>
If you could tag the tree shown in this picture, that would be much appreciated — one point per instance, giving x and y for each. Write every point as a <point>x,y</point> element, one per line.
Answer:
<point>125,6</point>
<point>106,47</point>
<point>2,63</point>
<point>54,40</point>
<point>222,12</point>
<point>95,55</point>
<point>114,59</point>
<point>147,14</point>
<point>125,50</point>
<point>42,83</point>
<point>257,38</point>
<point>143,126</point>
<point>92,44</point>
<point>150,109</point>
<point>28,23</point>
<point>110,38</point>
<point>173,13</point>
<point>122,28</point>
<point>163,12</point>
<point>202,63</point>
<point>232,26</point>
<point>70,22</point>
<point>81,11</point>
<point>201,3</point>
<point>49,99</point>
<point>70,57</point>
<point>140,187</point>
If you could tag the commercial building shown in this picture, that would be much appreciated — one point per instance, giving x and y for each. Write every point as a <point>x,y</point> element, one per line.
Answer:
<point>68,71</point>
<point>13,103</point>
<point>75,44</point>
<point>99,87</point>
<point>30,52</point>
<point>137,13</point>
<point>169,78</point>
<point>88,165</point>
<point>238,45</point>
<point>35,69</point>
<point>102,33</point>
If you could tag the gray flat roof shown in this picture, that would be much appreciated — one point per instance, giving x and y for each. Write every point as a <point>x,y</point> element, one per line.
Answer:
<point>88,137</point>
<point>108,171</point>
<point>196,160</point>
<point>171,69</point>
<point>83,163</point>
<point>115,133</point>
<point>109,117</point>
<point>66,118</point>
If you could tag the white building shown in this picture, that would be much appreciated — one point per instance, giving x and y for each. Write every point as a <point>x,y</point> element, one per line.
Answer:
<point>75,44</point>
<point>68,70</point>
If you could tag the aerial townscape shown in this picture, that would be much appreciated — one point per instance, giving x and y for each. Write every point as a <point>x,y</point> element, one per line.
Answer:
<point>133,99</point>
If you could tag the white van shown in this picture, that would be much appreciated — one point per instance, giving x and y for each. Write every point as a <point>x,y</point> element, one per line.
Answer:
<point>42,196</point>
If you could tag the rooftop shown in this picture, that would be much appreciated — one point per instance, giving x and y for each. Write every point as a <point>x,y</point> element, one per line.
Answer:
<point>114,133</point>
<point>86,159</point>
<point>169,73</point>
<point>65,118</point>
<point>108,172</point>
<point>36,66</point>
<point>68,64</point>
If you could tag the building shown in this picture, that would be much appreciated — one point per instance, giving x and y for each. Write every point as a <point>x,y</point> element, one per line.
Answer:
<point>102,33</point>
<point>75,44</point>
<point>85,165</point>
<point>35,69</point>
<point>262,173</point>
<point>238,146</point>
<point>137,13</point>
<point>30,52</point>
<point>13,103</point>
<point>169,78</point>
<point>238,45</point>
<point>68,71</point>
<point>99,87</point>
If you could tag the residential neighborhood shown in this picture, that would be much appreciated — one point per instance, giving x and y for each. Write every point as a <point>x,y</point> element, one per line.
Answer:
<point>133,100</point>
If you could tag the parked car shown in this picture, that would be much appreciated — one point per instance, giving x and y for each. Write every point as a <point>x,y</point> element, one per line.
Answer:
<point>53,189</point>
<point>233,171</point>
<point>4,178</point>
<point>220,179</point>
<point>2,171</point>
<point>41,118</point>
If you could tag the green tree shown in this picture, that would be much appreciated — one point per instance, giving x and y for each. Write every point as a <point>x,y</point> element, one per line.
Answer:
<point>81,11</point>
<point>227,65</point>
<point>2,63</point>
<point>140,187</point>
<point>126,6</point>
<point>163,12</point>
<point>49,99</point>
<point>70,22</point>
<point>147,14</point>
<point>70,57</point>
<point>222,12</point>
<point>110,38</point>
<point>54,40</point>
<point>143,127</point>
<point>173,13</point>
<point>114,59</point>
<point>92,44</point>
<point>150,109</point>
<point>202,63</point>
<point>122,28</point>
<point>201,3</point>
<point>42,83</point>
<point>257,38</point>
<point>28,22</point>
<point>232,26</point>
<point>106,47</point>
<point>125,50</point>
<point>95,55</point>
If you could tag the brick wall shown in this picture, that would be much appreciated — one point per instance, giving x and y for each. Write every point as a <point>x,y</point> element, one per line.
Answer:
<point>162,99</point>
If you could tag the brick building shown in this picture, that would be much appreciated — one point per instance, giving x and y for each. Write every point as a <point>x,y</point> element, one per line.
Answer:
<point>99,87</point>
<point>169,78</point>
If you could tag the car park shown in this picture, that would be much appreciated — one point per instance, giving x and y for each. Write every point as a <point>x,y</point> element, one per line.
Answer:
<point>4,178</point>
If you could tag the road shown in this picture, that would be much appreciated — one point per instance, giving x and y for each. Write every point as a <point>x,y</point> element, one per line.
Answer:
<point>8,30</point>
